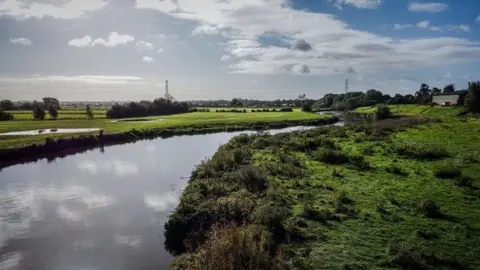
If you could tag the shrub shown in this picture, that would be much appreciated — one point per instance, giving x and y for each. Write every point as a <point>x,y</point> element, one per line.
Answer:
<point>320,215</point>
<point>396,170</point>
<point>404,257</point>
<point>359,162</point>
<point>382,112</point>
<point>448,173</point>
<point>251,178</point>
<point>430,209</point>
<point>231,248</point>
<point>329,156</point>
<point>286,110</point>
<point>464,181</point>
<point>425,152</point>
<point>5,116</point>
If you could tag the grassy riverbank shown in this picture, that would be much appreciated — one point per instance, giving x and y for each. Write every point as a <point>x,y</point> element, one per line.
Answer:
<point>394,194</point>
<point>413,110</point>
<point>174,121</point>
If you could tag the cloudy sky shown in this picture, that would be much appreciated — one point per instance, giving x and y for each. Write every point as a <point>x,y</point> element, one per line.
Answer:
<point>211,49</point>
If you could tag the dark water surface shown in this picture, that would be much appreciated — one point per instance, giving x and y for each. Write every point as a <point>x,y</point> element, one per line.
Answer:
<point>98,210</point>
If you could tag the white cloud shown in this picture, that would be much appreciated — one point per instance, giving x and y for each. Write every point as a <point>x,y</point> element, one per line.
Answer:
<point>22,10</point>
<point>113,40</point>
<point>205,30</point>
<point>370,4</point>
<point>86,79</point>
<point>23,41</point>
<point>477,20</point>
<point>147,59</point>
<point>427,7</point>
<point>225,57</point>
<point>144,45</point>
<point>81,42</point>
<point>160,50</point>
<point>423,24</point>
<point>402,26</point>
<point>461,27</point>
<point>335,46</point>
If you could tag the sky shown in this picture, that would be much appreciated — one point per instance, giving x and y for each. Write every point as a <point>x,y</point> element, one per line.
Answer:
<point>107,50</point>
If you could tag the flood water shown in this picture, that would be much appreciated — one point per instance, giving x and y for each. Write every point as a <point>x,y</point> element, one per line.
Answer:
<point>98,210</point>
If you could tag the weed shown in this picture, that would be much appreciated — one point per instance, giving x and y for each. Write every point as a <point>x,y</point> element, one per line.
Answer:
<point>336,173</point>
<point>448,172</point>
<point>359,162</point>
<point>430,209</point>
<point>395,169</point>
<point>423,152</point>
<point>426,234</point>
<point>320,215</point>
<point>329,156</point>
<point>404,256</point>
<point>464,181</point>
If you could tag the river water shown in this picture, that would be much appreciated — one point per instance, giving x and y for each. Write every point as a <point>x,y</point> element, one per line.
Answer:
<point>100,210</point>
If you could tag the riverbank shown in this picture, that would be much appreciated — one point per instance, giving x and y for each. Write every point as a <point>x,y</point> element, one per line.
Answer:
<point>172,121</point>
<point>401,193</point>
<point>65,146</point>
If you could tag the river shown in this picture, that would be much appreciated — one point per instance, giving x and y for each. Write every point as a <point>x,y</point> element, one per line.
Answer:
<point>102,209</point>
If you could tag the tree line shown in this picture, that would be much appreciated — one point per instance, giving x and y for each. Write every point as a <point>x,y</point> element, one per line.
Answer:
<point>160,106</point>
<point>353,100</point>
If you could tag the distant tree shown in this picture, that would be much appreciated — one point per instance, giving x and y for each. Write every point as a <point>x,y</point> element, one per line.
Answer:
<point>90,112</point>
<point>472,100</point>
<point>423,95</point>
<point>236,103</point>
<point>435,91</point>
<point>52,110</point>
<point>307,107</point>
<point>4,116</point>
<point>449,89</point>
<point>374,96</point>
<point>6,105</point>
<point>51,102</point>
<point>38,112</point>
<point>26,106</point>
<point>409,99</point>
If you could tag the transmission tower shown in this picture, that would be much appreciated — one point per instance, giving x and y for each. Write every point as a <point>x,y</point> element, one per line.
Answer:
<point>167,94</point>
<point>346,86</point>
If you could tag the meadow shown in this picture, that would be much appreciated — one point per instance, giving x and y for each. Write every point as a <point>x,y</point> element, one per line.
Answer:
<point>410,110</point>
<point>399,193</point>
<point>65,114</point>
<point>171,121</point>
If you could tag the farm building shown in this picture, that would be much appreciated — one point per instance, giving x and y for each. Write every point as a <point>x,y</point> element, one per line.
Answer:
<point>448,99</point>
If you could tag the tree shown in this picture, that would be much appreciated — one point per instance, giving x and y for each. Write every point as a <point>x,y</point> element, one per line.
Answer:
<point>307,107</point>
<point>38,112</point>
<point>4,116</point>
<point>449,89</point>
<point>472,100</point>
<point>435,91</point>
<point>6,105</point>
<point>50,101</point>
<point>423,95</point>
<point>89,112</point>
<point>52,110</point>
<point>236,103</point>
<point>375,96</point>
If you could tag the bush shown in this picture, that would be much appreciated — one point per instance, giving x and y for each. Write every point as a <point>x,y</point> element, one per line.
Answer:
<point>382,112</point>
<point>448,173</point>
<point>396,170</point>
<point>329,156</point>
<point>286,110</point>
<point>425,152</point>
<point>5,116</point>
<point>430,209</point>
<point>231,248</point>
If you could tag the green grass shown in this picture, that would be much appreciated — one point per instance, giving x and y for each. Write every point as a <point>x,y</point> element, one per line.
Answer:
<point>412,110</point>
<point>393,213</point>
<point>179,120</point>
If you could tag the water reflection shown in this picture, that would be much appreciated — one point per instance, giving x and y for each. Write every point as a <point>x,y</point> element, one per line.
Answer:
<point>99,209</point>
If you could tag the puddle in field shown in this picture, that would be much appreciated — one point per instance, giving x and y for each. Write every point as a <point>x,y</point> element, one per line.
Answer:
<point>48,131</point>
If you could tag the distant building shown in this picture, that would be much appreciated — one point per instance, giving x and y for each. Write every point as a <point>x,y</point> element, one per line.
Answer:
<point>448,99</point>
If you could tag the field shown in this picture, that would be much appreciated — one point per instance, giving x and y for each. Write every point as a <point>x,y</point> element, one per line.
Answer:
<point>65,114</point>
<point>417,110</point>
<point>109,126</point>
<point>402,193</point>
